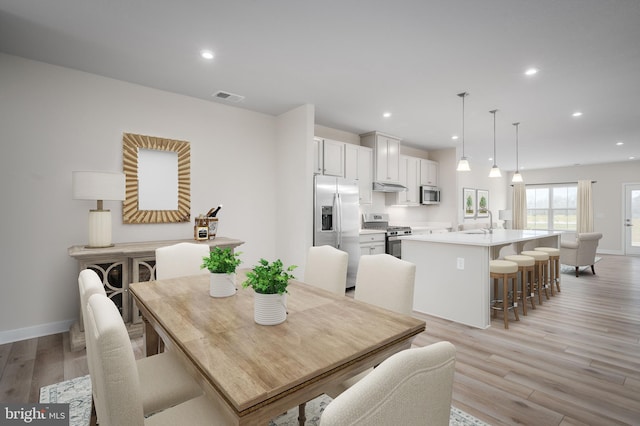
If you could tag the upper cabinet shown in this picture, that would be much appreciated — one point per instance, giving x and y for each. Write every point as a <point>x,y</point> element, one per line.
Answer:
<point>428,172</point>
<point>386,156</point>
<point>329,157</point>
<point>409,177</point>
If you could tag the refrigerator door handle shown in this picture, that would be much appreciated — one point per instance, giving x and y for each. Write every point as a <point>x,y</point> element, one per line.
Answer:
<point>339,222</point>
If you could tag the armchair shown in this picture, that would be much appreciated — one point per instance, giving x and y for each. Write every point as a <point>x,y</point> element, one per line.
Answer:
<point>581,251</point>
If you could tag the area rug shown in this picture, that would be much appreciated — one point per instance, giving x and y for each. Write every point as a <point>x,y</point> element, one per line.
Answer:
<point>568,269</point>
<point>77,392</point>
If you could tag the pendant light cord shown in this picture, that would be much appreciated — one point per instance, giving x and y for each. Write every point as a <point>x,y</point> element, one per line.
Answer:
<point>494,135</point>
<point>517,155</point>
<point>463,95</point>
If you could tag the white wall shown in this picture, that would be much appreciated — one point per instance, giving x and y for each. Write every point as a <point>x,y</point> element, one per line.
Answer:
<point>608,198</point>
<point>55,120</point>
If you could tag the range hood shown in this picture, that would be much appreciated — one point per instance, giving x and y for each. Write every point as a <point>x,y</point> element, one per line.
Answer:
<point>388,187</point>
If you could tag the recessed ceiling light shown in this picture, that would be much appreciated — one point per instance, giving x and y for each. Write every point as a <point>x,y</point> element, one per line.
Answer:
<point>577,114</point>
<point>454,137</point>
<point>632,158</point>
<point>386,115</point>
<point>206,54</point>
<point>531,71</point>
<point>619,143</point>
<point>490,158</point>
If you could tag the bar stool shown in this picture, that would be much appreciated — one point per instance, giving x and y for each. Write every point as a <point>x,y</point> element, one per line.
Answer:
<point>542,259</point>
<point>554,267</point>
<point>526,268</point>
<point>505,270</point>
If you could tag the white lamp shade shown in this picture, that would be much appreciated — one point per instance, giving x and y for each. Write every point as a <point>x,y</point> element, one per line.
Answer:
<point>517,177</point>
<point>463,165</point>
<point>504,214</point>
<point>98,185</point>
<point>495,172</point>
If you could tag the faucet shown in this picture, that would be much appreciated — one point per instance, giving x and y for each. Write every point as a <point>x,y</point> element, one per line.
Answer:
<point>490,222</point>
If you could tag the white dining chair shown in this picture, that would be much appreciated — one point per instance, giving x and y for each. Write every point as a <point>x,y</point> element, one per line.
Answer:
<point>180,260</point>
<point>410,388</point>
<point>154,372</point>
<point>326,268</point>
<point>117,378</point>
<point>385,281</point>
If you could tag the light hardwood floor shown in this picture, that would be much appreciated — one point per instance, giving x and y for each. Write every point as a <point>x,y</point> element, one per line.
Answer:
<point>575,360</point>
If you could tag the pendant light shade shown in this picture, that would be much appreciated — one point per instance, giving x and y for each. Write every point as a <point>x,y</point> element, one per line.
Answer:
<point>517,177</point>
<point>495,170</point>
<point>463,164</point>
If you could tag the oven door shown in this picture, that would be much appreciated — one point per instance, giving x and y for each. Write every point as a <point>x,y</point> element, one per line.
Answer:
<point>394,245</point>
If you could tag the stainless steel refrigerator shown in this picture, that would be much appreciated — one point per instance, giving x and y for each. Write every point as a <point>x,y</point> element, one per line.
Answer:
<point>336,218</point>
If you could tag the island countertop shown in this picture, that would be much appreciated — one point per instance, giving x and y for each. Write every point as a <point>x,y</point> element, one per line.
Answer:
<point>476,237</point>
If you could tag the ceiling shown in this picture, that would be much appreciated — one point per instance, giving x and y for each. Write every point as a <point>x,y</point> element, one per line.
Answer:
<point>355,60</point>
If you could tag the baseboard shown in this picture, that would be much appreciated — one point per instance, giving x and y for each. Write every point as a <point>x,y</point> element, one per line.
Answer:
<point>614,252</point>
<point>10,336</point>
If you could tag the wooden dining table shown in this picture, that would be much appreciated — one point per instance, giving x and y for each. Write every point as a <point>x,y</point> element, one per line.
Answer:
<point>256,372</point>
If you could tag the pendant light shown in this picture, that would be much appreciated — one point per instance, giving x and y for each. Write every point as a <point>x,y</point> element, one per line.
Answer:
<point>495,170</point>
<point>517,177</point>
<point>463,164</point>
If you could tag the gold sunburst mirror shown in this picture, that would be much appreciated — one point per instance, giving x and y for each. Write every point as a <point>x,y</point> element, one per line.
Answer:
<point>158,179</point>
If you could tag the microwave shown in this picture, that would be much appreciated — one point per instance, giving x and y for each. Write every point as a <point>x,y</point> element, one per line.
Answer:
<point>429,195</point>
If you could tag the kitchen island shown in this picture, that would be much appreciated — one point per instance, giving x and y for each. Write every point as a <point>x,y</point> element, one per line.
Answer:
<point>452,270</point>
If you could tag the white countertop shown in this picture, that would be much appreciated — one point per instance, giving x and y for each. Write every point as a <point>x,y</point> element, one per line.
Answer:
<point>372,231</point>
<point>477,238</point>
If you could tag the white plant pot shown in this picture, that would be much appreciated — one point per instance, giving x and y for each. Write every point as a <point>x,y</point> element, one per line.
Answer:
<point>222,285</point>
<point>269,309</point>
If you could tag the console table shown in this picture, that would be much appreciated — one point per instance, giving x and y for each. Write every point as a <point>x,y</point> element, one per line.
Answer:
<point>120,265</point>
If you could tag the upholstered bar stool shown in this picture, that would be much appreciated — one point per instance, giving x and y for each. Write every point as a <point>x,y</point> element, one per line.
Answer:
<point>542,259</point>
<point>526,269</point>
<point>504,270</point>
<point>554,267</point>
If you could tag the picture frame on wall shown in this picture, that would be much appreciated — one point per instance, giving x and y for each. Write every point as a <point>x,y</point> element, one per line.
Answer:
<point>482,198</point>
<point>469,202</point>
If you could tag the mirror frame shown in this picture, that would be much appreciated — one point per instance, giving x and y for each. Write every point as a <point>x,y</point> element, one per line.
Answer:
<point>131,143</point>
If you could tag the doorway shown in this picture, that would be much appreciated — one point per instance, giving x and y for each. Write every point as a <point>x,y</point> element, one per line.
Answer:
<point>632,219</point>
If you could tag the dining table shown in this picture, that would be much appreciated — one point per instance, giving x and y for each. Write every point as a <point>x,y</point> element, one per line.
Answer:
<point>255,372</point>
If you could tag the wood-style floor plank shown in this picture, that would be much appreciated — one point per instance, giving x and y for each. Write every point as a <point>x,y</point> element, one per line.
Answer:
<point>573,361</point>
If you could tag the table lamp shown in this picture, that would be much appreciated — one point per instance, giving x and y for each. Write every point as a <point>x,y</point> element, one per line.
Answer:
<point>99,186</point>
<point>505,215</point>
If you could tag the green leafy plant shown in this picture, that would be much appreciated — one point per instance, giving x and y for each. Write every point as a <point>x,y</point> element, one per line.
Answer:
<point>221,261</point>
<point>269,278</point>
<point>483,204</point>
<point>469,204</point>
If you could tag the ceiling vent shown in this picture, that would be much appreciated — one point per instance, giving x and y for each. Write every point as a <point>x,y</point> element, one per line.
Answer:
<point>226,96</point>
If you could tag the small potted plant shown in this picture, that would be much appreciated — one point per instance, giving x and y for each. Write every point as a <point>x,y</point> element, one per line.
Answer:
<point>222,264</point>
<point>269,281</point>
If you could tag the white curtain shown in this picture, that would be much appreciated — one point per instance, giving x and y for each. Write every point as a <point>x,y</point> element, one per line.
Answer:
<point>585,207</point>
<point>519,206</point>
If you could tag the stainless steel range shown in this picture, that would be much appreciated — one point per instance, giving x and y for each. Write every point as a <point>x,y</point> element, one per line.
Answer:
<point>392,234</point>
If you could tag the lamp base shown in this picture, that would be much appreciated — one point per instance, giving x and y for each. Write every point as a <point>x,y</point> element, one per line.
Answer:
<point>99,229</point>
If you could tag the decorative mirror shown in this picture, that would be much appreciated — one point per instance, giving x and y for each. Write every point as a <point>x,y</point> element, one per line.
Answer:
<point>158,179</point>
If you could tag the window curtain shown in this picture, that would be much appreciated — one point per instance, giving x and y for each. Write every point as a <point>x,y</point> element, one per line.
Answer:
<point>585,207</point>
<point>519,206</point>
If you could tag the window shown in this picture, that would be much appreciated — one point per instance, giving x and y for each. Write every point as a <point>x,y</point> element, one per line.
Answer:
<point>552,207</point>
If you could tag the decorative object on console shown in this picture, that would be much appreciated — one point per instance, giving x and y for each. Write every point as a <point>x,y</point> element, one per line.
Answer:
<point>142,206</point>
<point>505,215</point>
<point>495,170</point>
<point>100,186</point>
<point>463,164</point>
<point>517,177</point>
<point>269,281</point>
<point>222,264</point>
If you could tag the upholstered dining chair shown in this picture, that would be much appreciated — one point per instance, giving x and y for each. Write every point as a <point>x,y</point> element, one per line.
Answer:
<point>410,388</point>
<point>154,373</point>
<point>326,268</point>
<point>385,281</point>
<point>180,260</point>
<point>581,251</point>
<point>116,377</point>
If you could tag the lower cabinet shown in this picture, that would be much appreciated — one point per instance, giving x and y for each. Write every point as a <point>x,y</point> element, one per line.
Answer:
<point>372,243</point>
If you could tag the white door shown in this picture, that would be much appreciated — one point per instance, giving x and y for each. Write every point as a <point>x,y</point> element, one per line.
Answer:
<point>632,219</point>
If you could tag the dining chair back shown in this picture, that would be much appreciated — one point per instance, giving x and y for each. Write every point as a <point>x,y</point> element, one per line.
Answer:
<point>410,388</point>
<point>386,281</point>
<point>326,268</point>
<point>180,260</point>
<point>117,377</point>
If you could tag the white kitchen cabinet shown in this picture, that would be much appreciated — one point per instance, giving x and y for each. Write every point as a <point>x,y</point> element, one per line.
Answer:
<point>409,173</point>
<point>386,156</point>
<point>358,160</point>
<point>428,172</point>
<point>329,157</point>
<point>351,154</point>
<point>372,243</point>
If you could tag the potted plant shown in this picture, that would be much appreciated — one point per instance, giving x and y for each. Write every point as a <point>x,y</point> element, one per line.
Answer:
<point>269,281</point>
<point>222,264</point>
